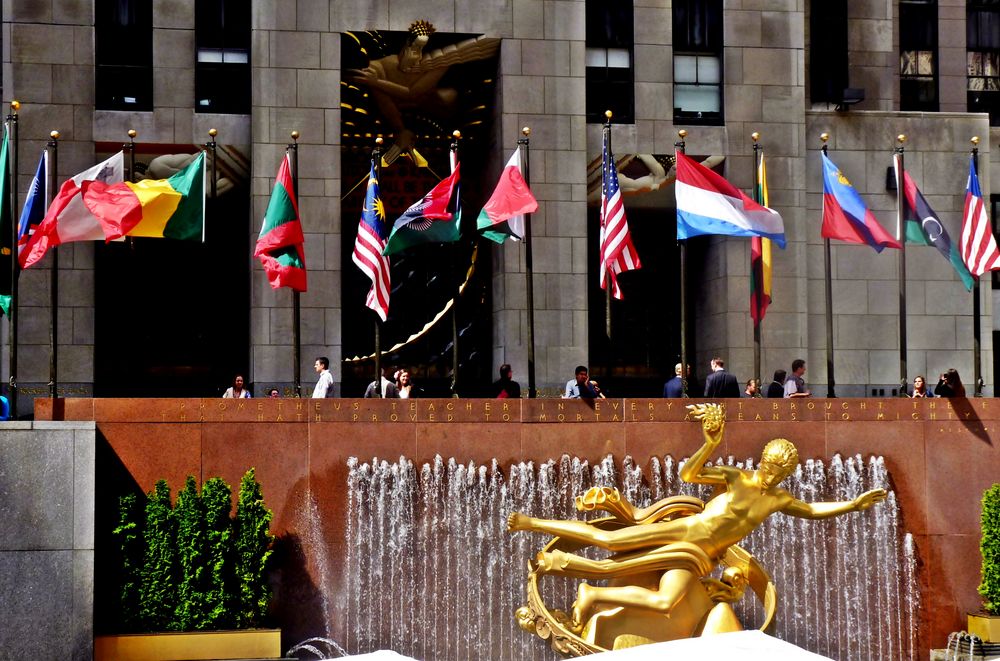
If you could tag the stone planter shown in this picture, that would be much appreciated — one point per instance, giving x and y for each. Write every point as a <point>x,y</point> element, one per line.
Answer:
<point>985,626</point>
<point>194,645</point>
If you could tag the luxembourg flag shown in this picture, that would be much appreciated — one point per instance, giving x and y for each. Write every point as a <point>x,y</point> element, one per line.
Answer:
<point>708,204</point>
<point>845,216</point>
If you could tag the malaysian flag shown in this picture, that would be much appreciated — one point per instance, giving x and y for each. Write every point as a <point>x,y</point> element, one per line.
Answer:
<point>979,248</point>
<point>617,252</point>
<point>369,246</point>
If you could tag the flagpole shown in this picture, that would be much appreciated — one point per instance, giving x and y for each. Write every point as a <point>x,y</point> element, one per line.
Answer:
<point>607,271</point>
<point>53,169</point>
<point>525,149</point>
<point>830,380</point>
<point>682,247</point>
<point>14,265</point>
<point>758,198</point>
<point>977,357</point>
<point>901,235</point>
<point>212,148</point>
<point>453,159</point>
<point>377,166</point>
<point>292,149</point>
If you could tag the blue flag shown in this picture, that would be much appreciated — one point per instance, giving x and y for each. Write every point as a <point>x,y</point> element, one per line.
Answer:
<point>34,204</point>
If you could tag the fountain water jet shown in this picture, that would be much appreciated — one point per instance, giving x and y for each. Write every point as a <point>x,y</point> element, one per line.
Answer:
<point>431,571</point>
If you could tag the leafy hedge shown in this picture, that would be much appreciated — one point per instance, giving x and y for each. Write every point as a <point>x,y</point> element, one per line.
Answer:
<point>193,566</point>
<point>989,589</point>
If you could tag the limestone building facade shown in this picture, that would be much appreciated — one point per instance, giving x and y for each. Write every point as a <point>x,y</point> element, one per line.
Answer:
<point>719,70</point>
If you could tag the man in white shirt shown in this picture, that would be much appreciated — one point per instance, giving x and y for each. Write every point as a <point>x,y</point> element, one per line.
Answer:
<point>324,386</point>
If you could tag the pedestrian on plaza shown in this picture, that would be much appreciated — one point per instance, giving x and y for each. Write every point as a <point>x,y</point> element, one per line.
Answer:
<point>404,384</point>
<point>777,387</point>
<point>581,387</point>
<point>389,388</point>
<point>751,390</point>
<point>795,385</point>
<point>920,388</point>
<point>675,386</point>
<point>721,383</point>
<point>505,387</point>
<point>236,391</point>
<point>273,393</point>
<point>324,385</point>
<point>950,385</point>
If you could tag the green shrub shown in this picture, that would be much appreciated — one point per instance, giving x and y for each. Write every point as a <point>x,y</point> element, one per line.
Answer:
<point>131,555</point>
<point>989,589</point>
<point>253,550</point>
<point>158,583</point>
<point>190,557</point>
<point>193,566</point>
<point>216,496</point>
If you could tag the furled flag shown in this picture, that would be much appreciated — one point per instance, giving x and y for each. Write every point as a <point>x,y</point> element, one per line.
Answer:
<point>979,248</point>
<point>34,204</point>
<point>6,226</point>
<point>924,227</point>
<point>280,246</point>
<point>369,245</point>
<point>68,218</point>
<point>503,216</point>
<point>760,258</point>
<point>171,208</point>
<point>708,204</point>
<point>845,216</point>
<point>434,219</point>
<point>617,252</point>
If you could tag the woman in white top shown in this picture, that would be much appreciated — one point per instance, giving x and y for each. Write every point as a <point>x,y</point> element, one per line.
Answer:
<point>237,391</point>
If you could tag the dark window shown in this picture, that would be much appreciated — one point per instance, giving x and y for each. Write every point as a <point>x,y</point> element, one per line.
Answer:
<point>609,61</point>
<point>918,36</point>
<point>123,35</point>
<point>697,35</point>
<point>222,71</point>
<point>827,50</point>
<point>983,44</point>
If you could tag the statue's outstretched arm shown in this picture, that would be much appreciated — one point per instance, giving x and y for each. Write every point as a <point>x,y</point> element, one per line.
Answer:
<point>713,422</point>
<point>827,510</point>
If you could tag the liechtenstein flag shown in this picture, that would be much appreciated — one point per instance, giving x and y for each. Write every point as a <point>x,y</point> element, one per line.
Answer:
<point>845,216</point>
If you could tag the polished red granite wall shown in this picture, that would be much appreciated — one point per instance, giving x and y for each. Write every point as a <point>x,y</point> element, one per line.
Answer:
<point>941,454</point>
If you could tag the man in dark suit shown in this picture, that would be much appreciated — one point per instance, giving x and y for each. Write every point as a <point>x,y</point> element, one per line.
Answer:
<point>721,383</point>
<point>675,386</point>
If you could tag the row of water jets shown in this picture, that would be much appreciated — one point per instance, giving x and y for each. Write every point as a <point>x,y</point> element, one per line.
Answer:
<point>431,572</point>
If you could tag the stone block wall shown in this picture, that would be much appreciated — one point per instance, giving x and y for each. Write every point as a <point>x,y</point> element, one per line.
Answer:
<point>47,550</point>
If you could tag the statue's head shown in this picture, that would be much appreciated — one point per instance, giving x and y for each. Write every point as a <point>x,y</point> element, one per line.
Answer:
<point>777,461</point>
<point>413,50</point>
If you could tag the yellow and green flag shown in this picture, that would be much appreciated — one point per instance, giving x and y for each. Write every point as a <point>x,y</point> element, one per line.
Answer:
<point>171,208</point>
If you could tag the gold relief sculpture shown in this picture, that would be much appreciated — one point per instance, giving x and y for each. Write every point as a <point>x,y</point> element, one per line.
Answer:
<point>658,574</point>
<point>406,83</point>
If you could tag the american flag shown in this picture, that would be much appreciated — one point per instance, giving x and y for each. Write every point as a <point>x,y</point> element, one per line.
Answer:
<point>617,252</point>
<point>369,245</point>
<point>979,248</point>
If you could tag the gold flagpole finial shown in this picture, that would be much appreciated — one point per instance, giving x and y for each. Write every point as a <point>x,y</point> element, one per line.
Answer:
<point>379,141</point>
<point>526,131</point>
<point>132,133</point>
<point>54,135</point>
<point>295,135</point>
<point>456,134</point>
<point>15,105</point>
<point>901,138</point>
<point>824,137</point>
<point>212,133</point>
<point>682,133</point>
<point>755,136</point>
<point>975,141</point>
<point>607,113</point>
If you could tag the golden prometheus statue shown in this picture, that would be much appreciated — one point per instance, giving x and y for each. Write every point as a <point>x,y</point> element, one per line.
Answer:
<point>658,572</point>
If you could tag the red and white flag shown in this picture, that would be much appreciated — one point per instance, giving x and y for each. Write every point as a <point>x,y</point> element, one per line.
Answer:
<point>68,218</point>
<point>979,248</point>
<point>617,252</point>
<point>503,215</point>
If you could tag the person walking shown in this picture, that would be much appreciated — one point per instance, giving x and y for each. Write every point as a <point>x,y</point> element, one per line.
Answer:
<point>324,385</point>
<point>721,383</point>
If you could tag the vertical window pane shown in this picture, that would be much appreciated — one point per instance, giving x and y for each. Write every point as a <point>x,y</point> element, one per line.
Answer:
<point>709,70</point>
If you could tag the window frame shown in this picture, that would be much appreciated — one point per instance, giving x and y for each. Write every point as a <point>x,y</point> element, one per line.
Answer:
<point>698,32</point>
<point>610,87</point>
